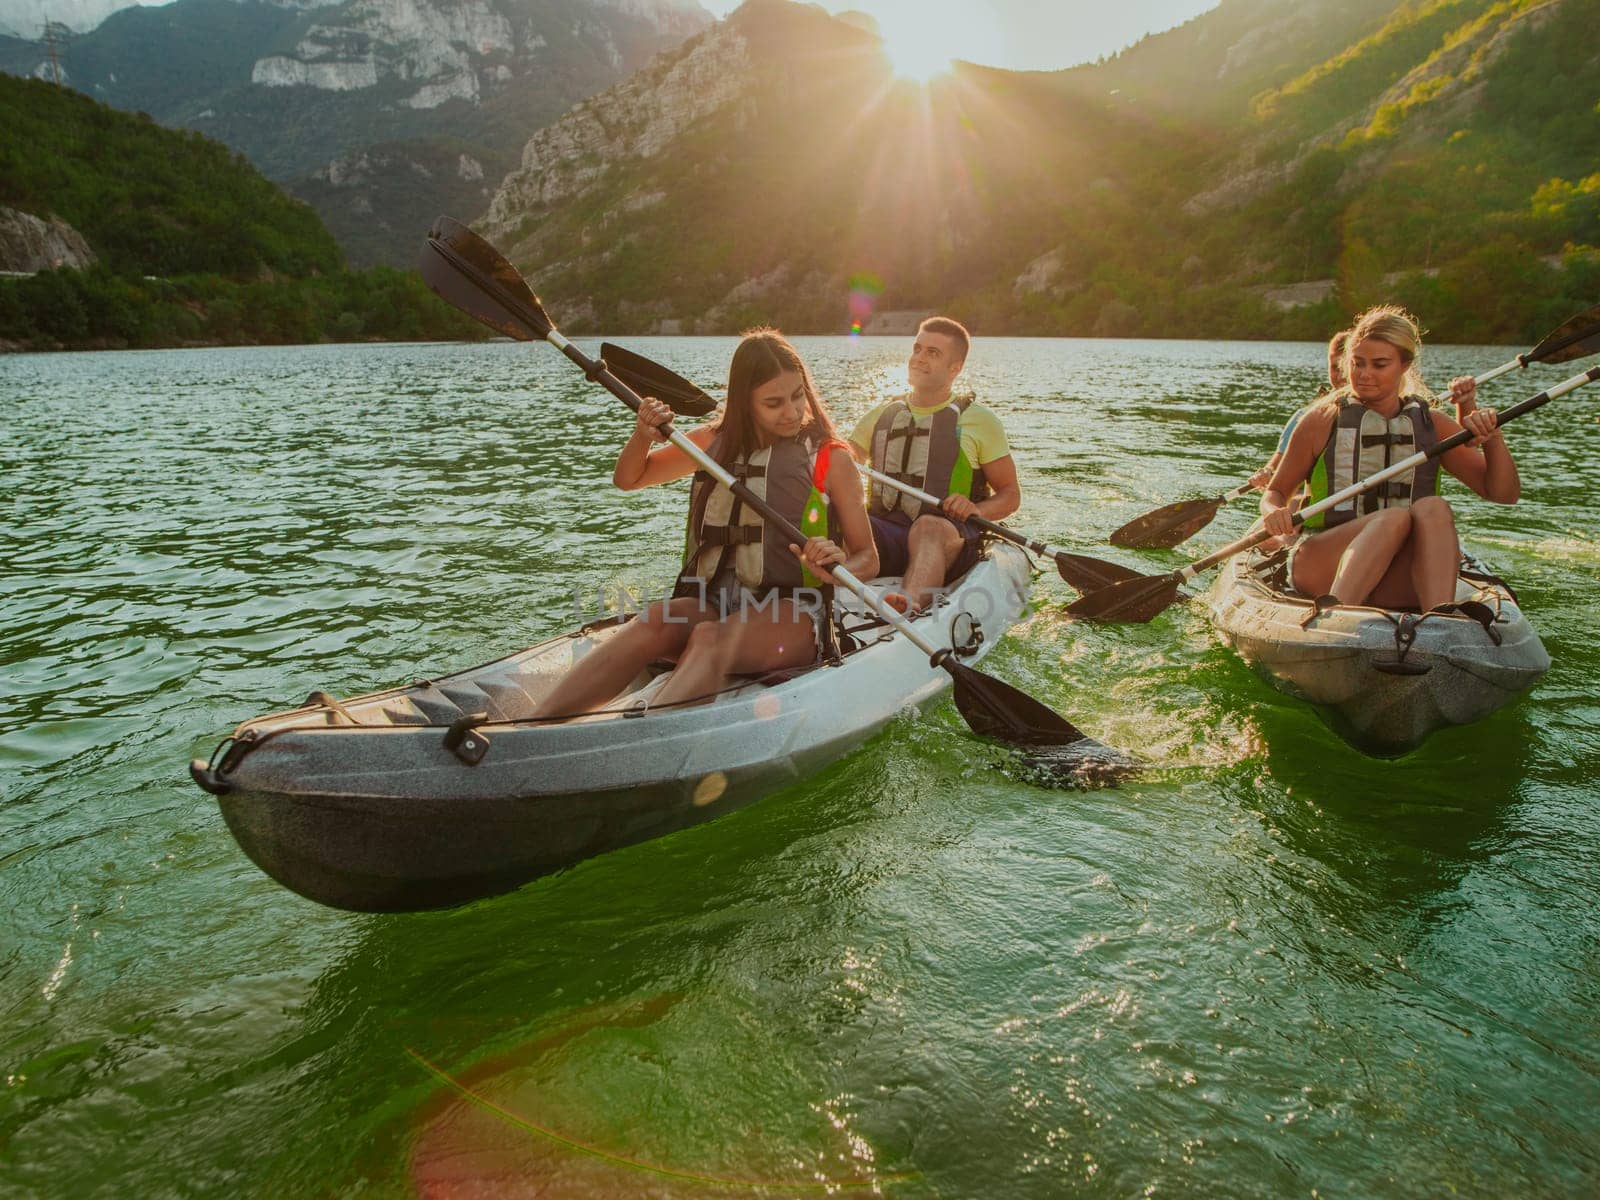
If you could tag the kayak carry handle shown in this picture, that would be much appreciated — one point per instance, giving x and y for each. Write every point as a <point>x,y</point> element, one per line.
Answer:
<point>200,771</point>
<point>465,741</point>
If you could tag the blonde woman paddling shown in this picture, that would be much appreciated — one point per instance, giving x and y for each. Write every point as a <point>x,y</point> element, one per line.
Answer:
<point>748,599</point>
<point>1394,546</point>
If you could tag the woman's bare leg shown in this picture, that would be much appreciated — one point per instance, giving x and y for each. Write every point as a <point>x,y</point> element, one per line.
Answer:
<point>743,643</point>
<point>661,631</point>
<point>1435,552</point>
<point>1350,559</point>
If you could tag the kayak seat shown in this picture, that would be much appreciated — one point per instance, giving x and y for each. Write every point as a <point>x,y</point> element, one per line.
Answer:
<point>1273,570</point>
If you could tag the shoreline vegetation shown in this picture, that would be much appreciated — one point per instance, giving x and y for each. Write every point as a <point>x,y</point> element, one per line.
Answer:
<point>98,309</point>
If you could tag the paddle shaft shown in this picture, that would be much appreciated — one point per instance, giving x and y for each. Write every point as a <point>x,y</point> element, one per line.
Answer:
<point>1400,468</point>
<point>983,523</point>
<point>601,374</point>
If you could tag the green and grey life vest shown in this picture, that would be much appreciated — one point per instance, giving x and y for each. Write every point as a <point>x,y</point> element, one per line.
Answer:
<point>1362,443</point>
<point>924,452</point>
<point>791,475</point>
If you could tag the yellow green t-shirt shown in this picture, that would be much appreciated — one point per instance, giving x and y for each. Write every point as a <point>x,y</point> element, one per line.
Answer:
<point>982,438</point>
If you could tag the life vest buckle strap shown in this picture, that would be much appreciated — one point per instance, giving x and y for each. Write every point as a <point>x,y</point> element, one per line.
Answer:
<point>732,535</point>
<point>909,431</point>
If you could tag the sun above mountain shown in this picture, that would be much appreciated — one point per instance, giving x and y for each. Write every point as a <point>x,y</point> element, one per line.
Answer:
<point>916,51</point>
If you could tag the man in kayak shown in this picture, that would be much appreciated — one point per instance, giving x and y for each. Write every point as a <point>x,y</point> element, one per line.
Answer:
<point>1336,345</point>
<point>1394,546</point>
<point>947,445</point>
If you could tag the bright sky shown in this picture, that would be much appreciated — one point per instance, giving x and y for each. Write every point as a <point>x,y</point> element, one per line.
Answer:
<point>1024,35</point>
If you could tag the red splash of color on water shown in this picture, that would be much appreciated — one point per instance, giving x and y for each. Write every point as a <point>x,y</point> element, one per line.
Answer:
<point>476,1143</point>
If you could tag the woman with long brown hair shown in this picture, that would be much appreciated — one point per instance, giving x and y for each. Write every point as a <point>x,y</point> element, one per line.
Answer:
<point>748,600</point>
<point>1394,546</point>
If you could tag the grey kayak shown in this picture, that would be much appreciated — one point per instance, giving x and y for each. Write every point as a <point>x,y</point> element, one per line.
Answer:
<point>1385,679</point>
<point>444,792</point>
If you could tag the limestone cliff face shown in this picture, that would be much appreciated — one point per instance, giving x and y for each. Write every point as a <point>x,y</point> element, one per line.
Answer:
<point>437,46</point>
<point>28,244</point>
<point>633,120</point>
<point>450,49</point>
<point>674,18</point>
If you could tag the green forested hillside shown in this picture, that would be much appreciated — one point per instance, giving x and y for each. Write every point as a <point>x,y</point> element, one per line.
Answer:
<point>194,246</point>
<point>1263,170</point>
<point>149,199</point>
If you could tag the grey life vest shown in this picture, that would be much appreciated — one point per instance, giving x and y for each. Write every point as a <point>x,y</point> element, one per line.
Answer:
<point>1362,443</point>
<point>790,475</point>
<point>924,452</point>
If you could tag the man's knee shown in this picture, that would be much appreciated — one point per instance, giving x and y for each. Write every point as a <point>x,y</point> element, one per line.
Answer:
<point>935,531</point>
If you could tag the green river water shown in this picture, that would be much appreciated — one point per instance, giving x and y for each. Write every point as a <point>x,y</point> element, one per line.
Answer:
<point>1267,967</point>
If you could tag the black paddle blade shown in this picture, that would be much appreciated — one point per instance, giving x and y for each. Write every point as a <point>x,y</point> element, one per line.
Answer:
<point>503,291</point>
<point>443,273</point>
<point>1165,527</point>
<point>650,378</point>
<point>1055,753</point>
<point>1132,602</point>
<point>1577,338</point>
<point>998,710</point>
<point>1091,574</point>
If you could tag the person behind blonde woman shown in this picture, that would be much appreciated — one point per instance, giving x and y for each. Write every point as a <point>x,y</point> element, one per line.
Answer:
<point>1336,345</point>
<point>1394,546</point>
<point>748,599</point>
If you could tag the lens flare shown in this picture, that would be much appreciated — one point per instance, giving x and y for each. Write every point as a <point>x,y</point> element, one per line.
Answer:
<point>865,288</point>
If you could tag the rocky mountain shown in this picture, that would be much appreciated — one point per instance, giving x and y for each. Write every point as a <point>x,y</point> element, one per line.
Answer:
<point>378,199</point>
<point>27,18</point>
<point>29,243</point>
<point>308,91</point>
<point>1261,170</point>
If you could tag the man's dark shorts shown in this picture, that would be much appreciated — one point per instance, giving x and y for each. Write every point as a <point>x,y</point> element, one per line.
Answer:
<point>894,549</point>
